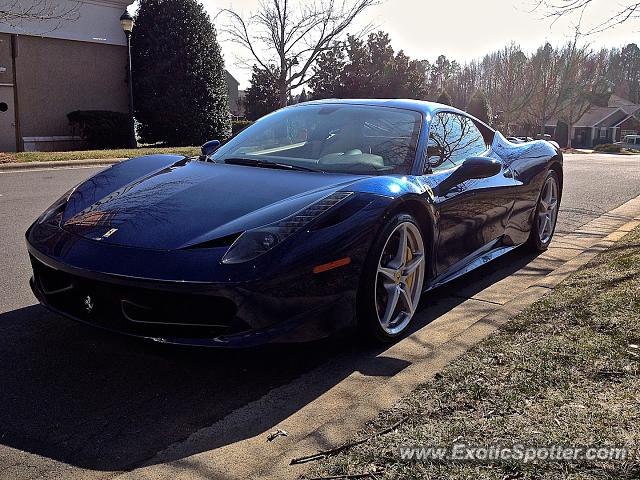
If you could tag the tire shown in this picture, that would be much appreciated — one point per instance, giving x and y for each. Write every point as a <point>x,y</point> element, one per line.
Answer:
<point>548,205</point>
<point>392,276</point>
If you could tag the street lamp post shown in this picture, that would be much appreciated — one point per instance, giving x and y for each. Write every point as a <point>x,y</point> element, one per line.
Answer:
<point>126,20</point>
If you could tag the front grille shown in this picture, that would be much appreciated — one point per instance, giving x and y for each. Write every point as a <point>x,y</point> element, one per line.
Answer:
<point>139,311</point>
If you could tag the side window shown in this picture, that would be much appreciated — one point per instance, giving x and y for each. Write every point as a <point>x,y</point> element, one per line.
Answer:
<point>452,139</point>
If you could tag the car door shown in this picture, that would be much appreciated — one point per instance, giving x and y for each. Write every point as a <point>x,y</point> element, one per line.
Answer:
<point>472,213</point>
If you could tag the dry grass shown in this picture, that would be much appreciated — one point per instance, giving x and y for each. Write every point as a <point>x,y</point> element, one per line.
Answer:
<point>566,371</point>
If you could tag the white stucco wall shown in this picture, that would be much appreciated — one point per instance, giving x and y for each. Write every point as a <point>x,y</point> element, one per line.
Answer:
<point>95,21</point>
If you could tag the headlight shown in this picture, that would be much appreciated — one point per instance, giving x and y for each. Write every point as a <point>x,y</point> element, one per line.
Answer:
<point>253,243</point>
<point>57,207</point>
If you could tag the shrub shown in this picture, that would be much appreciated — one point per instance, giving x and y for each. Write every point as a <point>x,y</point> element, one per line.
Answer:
<point>238,125</point>
<point>101,129</point>
<point>608,148</point>
<point>180,92</point>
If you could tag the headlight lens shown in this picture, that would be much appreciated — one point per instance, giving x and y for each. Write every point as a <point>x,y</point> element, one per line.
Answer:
<point>57,207</point>
<point>253,243</point>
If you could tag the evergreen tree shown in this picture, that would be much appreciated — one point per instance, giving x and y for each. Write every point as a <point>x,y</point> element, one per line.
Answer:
<point>370,69</point>
<point>479,107</point>
<point>444,98</point>
<point>303,97</point>
<point>262,96</point>
<point>328,74</point>
<point>180,92</point>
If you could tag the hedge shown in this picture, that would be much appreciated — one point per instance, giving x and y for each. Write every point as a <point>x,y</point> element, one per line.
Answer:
<point>238,125</point>
<point>608,148</point>
<point>100,128</point>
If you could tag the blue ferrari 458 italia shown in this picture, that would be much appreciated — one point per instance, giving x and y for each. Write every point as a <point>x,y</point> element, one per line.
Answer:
<point>318,217</point>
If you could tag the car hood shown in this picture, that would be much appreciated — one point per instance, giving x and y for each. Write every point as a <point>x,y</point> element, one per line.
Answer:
<point>190,202</point>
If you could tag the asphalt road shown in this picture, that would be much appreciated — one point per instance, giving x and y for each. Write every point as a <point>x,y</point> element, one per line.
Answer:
<point>75,401</point>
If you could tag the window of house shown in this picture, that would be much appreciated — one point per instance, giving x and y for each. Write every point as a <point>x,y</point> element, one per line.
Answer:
<point>452,139</point>
<point>603,133</point>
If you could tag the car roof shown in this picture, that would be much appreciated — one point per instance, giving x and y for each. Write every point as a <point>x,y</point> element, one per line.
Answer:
<point>418,105</point>
<point>423,106</point>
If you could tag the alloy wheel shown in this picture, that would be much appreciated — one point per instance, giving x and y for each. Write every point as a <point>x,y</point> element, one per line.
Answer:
<point>547,210</point>
<point>399,278</point>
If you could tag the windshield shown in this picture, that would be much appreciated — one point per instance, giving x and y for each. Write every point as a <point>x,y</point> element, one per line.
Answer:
<point>331,138</point>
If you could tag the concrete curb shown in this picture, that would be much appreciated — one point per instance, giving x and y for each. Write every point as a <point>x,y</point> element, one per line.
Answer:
<point>20,166</point>
<point>369,382</point>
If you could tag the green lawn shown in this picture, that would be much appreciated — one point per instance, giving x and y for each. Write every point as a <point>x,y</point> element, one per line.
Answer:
<point>566,371</point>
<point>93,154</point>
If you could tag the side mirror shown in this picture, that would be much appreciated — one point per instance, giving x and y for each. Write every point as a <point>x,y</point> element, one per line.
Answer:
<point>209,147</point>
<point>479,167</point>
<point>471,168</point>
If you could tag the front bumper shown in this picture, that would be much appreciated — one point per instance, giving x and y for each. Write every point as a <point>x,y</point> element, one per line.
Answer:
<point>180,316</point>
<point>186,297</point>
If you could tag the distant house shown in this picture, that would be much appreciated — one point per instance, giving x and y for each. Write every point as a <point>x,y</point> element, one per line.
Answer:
<point>601,124</point>
<point>236,97</point>
<point>232,88</point>
<point>51,68</point>
<point>242,94</point>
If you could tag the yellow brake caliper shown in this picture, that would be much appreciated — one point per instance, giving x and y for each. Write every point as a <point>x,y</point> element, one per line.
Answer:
<point>408,257</point>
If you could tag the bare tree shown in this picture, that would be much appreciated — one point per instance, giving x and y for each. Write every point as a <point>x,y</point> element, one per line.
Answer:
<point>515,82</point>
<point>52,13</point>
<point>546,99</point>
<point>583,81</point>
<point>623,11</point>
<point>292,38</point>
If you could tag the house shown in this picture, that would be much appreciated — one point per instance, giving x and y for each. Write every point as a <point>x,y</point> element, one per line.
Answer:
<point>601,124</point>
<point>49,68</point>
<point>234,95</point>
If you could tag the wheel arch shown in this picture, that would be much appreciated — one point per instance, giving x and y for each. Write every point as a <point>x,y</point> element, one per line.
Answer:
<point>556,164</point>
<point>424,213</point>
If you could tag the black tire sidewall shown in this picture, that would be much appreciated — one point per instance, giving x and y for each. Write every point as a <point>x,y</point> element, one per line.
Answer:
<point>366,306</point>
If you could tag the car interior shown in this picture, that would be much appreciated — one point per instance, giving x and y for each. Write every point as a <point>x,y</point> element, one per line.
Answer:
<point>344,140</point>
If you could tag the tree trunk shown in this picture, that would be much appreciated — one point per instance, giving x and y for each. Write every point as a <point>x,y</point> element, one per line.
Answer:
<point>283,94</point>
<point>569,134</point>
<point>282,99</point>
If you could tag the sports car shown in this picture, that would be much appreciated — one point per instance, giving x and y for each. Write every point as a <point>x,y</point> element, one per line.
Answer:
<point>319,217</point>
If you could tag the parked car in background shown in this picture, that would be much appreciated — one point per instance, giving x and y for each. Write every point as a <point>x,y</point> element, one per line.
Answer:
<point>630,141</point>
<point>520,139</point>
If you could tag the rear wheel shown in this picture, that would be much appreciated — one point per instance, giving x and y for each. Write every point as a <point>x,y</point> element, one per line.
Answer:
<point>546,215</point>
<point>393,278</point>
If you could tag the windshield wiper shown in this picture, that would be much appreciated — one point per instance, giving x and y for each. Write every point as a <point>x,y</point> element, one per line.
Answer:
<point>251,162</point>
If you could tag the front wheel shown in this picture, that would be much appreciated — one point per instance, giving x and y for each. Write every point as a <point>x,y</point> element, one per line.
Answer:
<point>546,214</point>
<point>392,279</point>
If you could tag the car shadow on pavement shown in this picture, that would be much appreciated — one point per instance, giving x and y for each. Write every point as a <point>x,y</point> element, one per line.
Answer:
<point>97,400</point>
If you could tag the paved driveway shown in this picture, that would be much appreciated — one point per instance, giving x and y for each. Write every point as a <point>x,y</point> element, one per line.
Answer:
<point>80,402</point>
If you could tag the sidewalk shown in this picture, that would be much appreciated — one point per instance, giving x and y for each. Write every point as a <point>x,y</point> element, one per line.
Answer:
<point>90,162</point>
